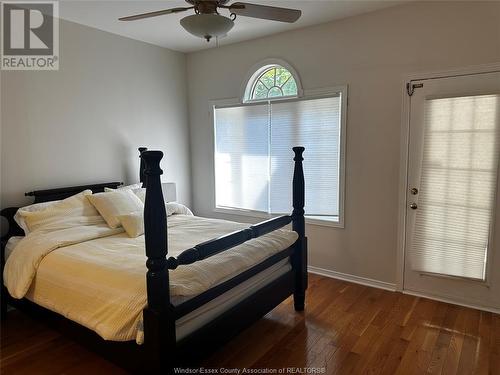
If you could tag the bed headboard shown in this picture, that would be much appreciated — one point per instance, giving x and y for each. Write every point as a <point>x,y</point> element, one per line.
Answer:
<point>62,193</point>
<point>65,192</point>
<point>47,196</point>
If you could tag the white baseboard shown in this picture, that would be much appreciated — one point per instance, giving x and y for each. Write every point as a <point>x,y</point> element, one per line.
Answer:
<point>352,278</point>
<point>452,301</point>
<point>392,287</point>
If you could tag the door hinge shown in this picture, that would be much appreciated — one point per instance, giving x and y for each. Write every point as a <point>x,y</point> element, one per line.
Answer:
<point>410,87</point>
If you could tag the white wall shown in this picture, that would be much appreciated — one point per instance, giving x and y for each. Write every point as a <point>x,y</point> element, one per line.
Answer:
<point>83,123</point>
<point>371,53</point>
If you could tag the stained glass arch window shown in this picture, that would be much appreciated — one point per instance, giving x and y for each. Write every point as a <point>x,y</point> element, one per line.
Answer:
<point>272,81</point>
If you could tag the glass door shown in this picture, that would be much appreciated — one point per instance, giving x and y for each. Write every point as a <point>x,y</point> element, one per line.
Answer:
<point>451,251</point>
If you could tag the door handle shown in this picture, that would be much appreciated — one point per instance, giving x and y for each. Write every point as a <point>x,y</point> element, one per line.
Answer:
<point>413,206</point>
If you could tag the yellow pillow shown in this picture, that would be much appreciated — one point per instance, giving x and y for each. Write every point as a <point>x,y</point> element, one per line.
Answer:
<point>116,203</point>
<point>133,223</point>
<point>76,205</point>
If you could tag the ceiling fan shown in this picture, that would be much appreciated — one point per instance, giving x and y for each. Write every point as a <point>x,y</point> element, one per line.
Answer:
<point>207,22</point>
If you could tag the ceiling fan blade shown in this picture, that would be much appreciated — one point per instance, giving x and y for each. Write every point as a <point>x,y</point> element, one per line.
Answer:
<point>153,14</point>
<point>265,12</point>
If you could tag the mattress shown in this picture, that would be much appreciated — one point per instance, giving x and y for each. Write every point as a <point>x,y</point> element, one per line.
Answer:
<point>100,283</point>
<point>206,313</point>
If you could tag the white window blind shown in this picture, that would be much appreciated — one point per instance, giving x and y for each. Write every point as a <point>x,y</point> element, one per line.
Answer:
<point>253,155</point>
<point>458,183</point>
<point>314,124</point>
<point>242,157</point>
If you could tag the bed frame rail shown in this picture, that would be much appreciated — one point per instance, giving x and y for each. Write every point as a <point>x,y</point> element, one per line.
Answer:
<point>205,297</point>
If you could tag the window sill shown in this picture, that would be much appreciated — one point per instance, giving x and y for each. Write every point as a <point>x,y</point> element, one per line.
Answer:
<point>323,221</point>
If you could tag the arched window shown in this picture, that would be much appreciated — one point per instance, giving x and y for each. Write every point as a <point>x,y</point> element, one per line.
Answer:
<point>254,136</point>
<point>271,82</point>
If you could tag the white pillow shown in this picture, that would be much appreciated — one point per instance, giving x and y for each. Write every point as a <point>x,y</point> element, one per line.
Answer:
<point>174,208</point>
<point>133,223</point>
<point>112,204</point>
<point>141,193</point>
<point>171,207</point>
<point>126,187</point>
<point>19,218</point>
<point>74,206</point>
<point>131,187</point>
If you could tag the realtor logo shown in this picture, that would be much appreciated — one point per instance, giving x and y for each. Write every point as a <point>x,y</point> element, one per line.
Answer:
<point>30,35</point>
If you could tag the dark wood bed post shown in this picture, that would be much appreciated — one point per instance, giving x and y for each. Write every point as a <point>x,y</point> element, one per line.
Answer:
<point>299,261</point>
<point>159,321</point>
<point>142,178</point>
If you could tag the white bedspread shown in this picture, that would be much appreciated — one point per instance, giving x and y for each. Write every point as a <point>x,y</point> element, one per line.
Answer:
<point>95,275</point>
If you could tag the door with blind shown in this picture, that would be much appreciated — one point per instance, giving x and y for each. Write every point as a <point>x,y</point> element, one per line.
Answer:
<point>452,234</point>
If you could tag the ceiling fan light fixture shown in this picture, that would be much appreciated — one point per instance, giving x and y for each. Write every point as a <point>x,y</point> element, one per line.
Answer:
<point>207,25</point>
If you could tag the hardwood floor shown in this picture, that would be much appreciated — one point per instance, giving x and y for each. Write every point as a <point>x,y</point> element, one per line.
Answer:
<point>346,329</point>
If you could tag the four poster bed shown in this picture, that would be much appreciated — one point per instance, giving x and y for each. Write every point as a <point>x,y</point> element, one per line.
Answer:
<point>164,347</point>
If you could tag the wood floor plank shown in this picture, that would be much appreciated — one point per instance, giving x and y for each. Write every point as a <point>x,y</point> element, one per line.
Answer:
<point>467,360</point>
<point>443,341</point>
<point>345,329</point>
<point>482,365</point>
<point>395,356</point>
<point>450,365</point>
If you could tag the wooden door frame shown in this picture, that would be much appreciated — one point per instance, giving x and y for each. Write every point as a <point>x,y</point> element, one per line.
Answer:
<point>404,154</point>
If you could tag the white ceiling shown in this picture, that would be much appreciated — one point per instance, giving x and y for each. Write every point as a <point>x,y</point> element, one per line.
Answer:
<point>165,31</point>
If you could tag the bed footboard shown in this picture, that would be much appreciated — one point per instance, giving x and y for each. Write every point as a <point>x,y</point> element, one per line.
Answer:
<point>160,314</point>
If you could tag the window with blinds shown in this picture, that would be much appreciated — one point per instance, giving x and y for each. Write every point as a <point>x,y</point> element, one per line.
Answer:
<point>253,155</point>
<point>458,183</point>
